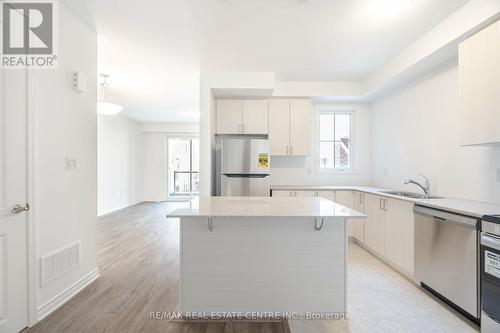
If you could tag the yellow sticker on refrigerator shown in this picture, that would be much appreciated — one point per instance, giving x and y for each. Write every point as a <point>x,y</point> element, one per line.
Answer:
<point>263,160</point>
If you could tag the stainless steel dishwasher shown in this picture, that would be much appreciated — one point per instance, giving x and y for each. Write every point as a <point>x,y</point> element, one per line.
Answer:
<point>446,258</point>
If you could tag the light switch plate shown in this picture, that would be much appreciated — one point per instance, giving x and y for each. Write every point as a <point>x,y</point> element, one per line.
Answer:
<point>71,163</point>
<point>79,82</point>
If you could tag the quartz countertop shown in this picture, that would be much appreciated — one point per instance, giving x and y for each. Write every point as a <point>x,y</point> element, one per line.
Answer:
<point>313,207</point>
<point>455,205</point>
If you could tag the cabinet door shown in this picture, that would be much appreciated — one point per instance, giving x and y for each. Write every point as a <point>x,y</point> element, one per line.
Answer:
<point>305,193</point>
<point>301,115</point>
<point>281,193</point>
<point>479,79</point>
<point>374,224</point>
<point>346,198</point>
<point>255,116</point>
<point>229,116</point>
<point>279,126</point>
<point>399,242</point>
<point>359,225</point>
<point>330,195</point>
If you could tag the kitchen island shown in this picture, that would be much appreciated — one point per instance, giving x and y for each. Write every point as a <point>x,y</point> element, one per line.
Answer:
<point>263,254</point>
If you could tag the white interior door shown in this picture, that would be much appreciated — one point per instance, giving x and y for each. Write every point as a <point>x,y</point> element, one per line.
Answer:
<point>13,261</point>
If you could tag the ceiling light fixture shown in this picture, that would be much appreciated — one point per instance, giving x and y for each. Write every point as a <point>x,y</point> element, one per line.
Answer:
<point>388,8</point>
<point>106,108</point>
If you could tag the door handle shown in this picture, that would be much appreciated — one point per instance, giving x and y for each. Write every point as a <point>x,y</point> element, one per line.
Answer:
<point>18,208</point>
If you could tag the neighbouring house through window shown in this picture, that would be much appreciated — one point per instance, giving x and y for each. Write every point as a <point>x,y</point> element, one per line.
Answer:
<point>336,148</point>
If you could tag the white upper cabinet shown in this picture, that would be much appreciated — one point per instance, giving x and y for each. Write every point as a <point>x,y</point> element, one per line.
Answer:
<point>479,73</point>
<point>229,116</point>
<point>290,122</point>
<point>300,127</point>
<point>236,116</point>
<point>255,116</point>
<point>279,126</point>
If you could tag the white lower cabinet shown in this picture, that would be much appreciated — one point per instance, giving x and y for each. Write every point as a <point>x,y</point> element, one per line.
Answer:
<point>399,233</point>
<point>282,193</point>
<point>330,195</point>
<point>387,230</point>
<point>359,224</point>
<point>375,223</point>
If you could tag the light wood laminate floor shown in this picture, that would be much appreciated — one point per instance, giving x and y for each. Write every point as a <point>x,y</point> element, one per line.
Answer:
<point>139,266</point>
<point>138,258</point>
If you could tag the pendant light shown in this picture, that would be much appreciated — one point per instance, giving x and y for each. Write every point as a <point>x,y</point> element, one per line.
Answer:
<point>106,108</point>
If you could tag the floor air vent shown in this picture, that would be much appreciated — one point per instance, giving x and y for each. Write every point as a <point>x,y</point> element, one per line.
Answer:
<point>59,262</point>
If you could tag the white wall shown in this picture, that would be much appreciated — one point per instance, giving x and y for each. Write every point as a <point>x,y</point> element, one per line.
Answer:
<point>155,159</point>
<point>171,128</point>
<point>65,201</point>
<point>120,163</point>
<point>416,131</point>
<point>154,179</point>
<point>302,170</point>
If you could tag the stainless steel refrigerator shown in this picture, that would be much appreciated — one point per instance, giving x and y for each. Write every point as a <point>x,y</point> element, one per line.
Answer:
<point>243,167</point>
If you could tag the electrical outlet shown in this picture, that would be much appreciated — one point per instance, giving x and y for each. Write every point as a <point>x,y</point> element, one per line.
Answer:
<point>498,175</point>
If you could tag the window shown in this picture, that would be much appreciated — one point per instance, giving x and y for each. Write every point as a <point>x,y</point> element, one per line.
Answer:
<point>183,166</point>
<point>336,149</point>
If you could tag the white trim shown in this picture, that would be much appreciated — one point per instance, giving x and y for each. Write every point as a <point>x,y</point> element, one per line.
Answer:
<point>32,224</point>
<point>353,151</point>
<point>65,295</point>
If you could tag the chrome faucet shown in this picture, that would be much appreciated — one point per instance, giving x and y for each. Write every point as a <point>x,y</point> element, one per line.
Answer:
<point>426,187</point>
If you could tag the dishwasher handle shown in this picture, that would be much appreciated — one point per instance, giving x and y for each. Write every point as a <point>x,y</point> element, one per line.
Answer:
<point>447,217</point>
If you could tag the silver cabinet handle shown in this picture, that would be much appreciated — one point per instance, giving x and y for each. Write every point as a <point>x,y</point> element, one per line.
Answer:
<point>380,204</point>
<point>291,150</point>
<point>210,225</point>
<point>386,204</point>
<point>287,149</point>
<point>20,208</point>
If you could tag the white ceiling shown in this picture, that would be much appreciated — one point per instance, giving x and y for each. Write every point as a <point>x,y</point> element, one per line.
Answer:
<point>155,49</point>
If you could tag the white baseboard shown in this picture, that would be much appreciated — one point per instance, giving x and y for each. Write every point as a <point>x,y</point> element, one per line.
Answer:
<point>65,295</point>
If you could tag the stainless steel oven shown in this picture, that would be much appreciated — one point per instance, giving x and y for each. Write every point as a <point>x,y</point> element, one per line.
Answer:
<point>490,274</point>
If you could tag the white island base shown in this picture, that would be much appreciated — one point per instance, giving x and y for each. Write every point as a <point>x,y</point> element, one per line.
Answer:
<point>265,264</point>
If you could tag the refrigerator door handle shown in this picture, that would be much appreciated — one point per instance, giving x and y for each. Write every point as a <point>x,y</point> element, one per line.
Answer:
<point>236,175</point>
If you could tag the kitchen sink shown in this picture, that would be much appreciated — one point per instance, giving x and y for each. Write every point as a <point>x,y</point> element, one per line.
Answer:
<point>411,195</point>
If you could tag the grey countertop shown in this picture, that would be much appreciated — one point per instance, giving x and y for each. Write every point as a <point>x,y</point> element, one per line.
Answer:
<point>459,206</point>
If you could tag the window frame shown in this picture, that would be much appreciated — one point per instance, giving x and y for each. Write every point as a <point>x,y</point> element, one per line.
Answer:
<point>336,171</point>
